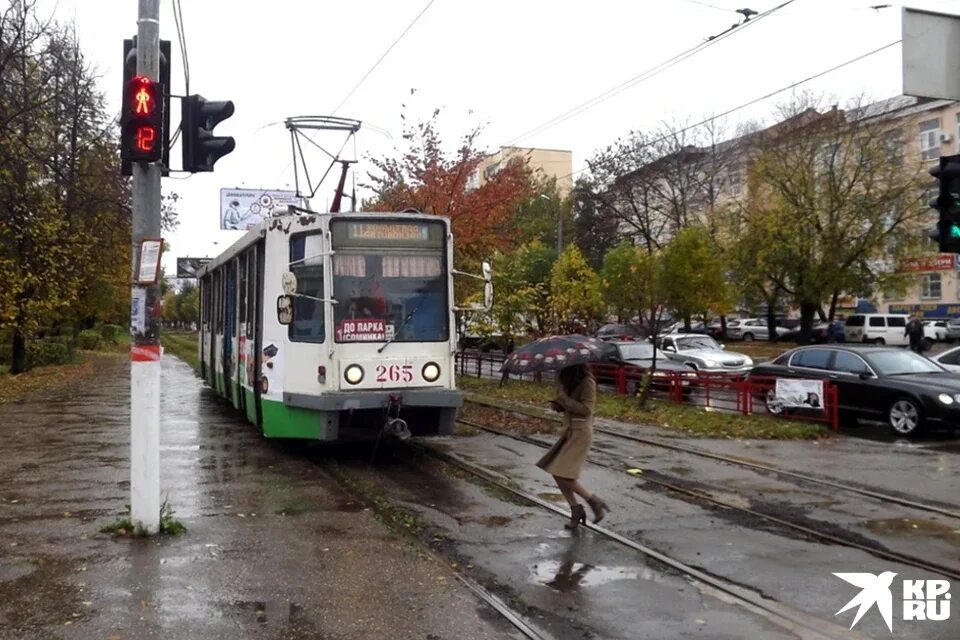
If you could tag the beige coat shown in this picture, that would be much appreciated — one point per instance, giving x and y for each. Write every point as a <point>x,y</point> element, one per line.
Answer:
<point>566,458</point>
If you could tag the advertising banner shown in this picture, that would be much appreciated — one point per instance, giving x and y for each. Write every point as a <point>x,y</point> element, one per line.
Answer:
<point>188,267</point>
<point>243,209</point>
<point>802,394</point>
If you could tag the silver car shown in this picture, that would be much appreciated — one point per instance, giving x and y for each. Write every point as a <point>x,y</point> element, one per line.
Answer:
<point>752,329</point>
<point>703,353</point>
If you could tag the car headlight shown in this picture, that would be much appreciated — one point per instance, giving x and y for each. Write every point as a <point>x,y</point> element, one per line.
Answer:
<point>710,363</point>
<point>353,374</point>
<point>945,398</point>
<point>430,371</point>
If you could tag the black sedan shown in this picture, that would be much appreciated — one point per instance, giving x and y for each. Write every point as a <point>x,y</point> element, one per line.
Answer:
<point>902,388</point>
<point>638,357</point>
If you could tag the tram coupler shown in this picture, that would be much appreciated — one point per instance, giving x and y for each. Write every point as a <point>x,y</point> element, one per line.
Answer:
<point>395,425</point>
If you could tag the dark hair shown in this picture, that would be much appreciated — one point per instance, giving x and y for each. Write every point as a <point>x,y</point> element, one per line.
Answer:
<point>571,377</point>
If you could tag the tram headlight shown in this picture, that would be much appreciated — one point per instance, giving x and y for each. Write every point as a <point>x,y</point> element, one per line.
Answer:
<point>353,374</point>
<point>430,372</point>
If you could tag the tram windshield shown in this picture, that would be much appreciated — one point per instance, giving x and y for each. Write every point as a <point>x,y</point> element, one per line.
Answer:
<point>390,281</point>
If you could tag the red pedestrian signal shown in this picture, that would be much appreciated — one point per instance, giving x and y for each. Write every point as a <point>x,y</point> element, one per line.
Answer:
<point>141,122</point>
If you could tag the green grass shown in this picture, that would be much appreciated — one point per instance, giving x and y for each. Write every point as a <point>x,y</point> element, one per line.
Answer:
<point>184,345</point>
<point>688,419</point>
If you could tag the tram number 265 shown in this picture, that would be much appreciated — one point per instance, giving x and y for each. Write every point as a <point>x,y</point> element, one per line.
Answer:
<point>395,373</point>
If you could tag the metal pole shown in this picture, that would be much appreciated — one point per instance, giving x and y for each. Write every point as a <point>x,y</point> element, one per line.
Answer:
<point>144,317</point>
<point>559,230</point>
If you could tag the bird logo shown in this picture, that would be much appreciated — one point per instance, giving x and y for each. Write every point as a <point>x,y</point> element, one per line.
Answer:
<point>874,590</point>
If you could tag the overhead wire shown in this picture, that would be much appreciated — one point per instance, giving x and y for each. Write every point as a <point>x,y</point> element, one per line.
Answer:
<point>369,71</point>
<point>754,101</point>
<point>182,41</point>
<point>381,58</point>
<point>646,75</point>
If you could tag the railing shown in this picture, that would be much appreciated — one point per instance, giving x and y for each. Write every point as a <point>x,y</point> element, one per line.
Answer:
<point>720,391</point>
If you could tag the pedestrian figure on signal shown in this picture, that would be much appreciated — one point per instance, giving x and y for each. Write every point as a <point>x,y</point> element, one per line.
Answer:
<point>915,331</point>
<point>576,397</point>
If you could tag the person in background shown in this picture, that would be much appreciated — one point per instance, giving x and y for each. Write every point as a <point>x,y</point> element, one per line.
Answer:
<point>915,332</point>
<point>576,397</point>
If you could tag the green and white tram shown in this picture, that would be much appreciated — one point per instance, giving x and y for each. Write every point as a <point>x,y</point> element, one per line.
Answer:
<point>334,326</point>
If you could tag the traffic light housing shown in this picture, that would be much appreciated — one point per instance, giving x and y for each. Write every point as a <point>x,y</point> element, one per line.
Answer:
<point>129,72</point>
<point>202,149</point>
<point>947,203</point>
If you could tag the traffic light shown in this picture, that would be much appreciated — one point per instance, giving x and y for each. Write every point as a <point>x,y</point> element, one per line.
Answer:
<point>129,71</point>
<point>202,149</point>
<point>141,124</point>
<point>947,202</point>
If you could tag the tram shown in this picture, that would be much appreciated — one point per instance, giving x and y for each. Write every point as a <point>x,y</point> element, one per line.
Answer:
<point>335,326</point>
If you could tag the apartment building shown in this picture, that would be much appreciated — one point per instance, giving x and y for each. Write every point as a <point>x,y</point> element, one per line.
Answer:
<point>692,182</point>
<point>545,163</point>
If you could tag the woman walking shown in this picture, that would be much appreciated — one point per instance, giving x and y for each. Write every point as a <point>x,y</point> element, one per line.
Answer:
<point>576,397</point>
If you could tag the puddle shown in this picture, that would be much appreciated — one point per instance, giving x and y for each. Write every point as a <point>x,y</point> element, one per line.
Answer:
<point>911,527</point>
<point>570,576</point>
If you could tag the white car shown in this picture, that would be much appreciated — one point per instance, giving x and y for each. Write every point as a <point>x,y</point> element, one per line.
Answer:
<point>949,359</point>
<point>753,329</point>
<point>936,330</point>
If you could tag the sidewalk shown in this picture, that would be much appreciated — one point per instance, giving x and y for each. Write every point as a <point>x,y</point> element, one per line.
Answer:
<point>274,549</point>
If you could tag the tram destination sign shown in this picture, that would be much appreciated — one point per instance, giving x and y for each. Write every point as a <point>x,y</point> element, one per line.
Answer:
<point>388,232</point>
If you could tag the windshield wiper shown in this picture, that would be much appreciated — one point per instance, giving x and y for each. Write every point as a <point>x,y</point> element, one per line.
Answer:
<point>396,332</point>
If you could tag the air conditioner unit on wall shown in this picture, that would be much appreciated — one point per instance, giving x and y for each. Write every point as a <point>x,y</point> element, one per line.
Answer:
<point>945,137</point>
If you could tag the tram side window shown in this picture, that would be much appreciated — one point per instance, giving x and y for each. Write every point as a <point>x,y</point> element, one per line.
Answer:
<point>306,262</point>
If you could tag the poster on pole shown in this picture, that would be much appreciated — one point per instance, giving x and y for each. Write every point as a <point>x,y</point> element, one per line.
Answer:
<point>243,209</point>
<point>799,394</point>
<point>188,267</point>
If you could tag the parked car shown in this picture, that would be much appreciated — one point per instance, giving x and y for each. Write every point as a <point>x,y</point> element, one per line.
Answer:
<point>618,332</point>
<point>936,330</point>
<point>949,359</point>
<point>906,390</point>
<point>750,329</point>
<point>639,355</point>
<point>877,328</point>
<point>704,354</point>
<point>820,332</point>
<point>953,329</point>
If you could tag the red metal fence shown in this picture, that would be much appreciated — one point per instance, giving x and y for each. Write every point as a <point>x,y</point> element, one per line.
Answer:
<point>720,391</point>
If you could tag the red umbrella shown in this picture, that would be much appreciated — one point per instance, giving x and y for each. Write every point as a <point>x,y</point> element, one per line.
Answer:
<point>553,353</point>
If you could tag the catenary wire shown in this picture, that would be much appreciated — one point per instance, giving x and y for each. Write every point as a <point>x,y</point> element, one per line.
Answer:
<point>381,58</point>
<point>755,100</point>
<point>645,75</point>
<point>369,71</point>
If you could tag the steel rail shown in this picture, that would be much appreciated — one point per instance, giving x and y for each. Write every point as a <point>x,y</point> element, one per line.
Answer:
<point>876,495</point>
<point>877,551</point>
<point>784,615</point>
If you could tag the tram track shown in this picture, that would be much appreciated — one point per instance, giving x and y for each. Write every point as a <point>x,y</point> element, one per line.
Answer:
<point>513,617</point>
<point>876,551</point>
<point>749,464</point>
<point>750,599</point>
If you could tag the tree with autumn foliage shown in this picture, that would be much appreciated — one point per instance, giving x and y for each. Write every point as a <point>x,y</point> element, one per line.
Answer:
<point>428,177</point>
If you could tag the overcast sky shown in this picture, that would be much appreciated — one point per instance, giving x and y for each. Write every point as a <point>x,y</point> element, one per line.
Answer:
<point>508,64</point>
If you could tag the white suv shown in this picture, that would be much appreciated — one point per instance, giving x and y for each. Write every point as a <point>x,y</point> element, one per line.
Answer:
<point>878,328</point>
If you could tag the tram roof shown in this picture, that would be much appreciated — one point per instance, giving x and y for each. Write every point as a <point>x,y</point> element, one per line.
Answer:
<point>259,231</point>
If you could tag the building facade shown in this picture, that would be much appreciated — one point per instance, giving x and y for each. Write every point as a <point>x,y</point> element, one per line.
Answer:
<point>547,164</point>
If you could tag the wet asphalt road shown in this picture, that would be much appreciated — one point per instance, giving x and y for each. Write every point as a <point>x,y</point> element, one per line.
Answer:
<point>277,547</point>
<point>274,548</point>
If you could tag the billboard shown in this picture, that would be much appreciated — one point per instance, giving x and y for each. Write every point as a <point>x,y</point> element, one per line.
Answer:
<point>242,209</point>
<point>188,267</point>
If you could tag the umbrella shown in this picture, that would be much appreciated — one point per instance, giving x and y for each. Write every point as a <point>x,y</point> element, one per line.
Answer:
<point>553,353</point>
